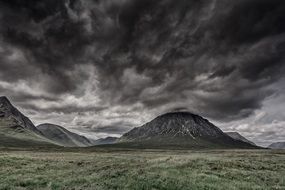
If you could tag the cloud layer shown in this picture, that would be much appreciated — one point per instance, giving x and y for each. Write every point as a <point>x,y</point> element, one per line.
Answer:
<point>106,66</point>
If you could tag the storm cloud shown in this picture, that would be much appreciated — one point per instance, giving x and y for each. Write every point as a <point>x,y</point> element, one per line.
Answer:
<point>135,59</point>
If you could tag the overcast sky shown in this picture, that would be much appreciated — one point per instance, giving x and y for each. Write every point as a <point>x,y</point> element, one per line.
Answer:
<point>102,67</point>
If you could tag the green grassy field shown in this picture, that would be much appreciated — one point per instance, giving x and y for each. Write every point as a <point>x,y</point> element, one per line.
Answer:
<point>141,169</point>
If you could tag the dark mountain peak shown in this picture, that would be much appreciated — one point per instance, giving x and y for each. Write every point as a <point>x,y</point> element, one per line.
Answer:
<point>181,129</point>
<point>175,124</point>
<point>5,103</point>
<point>7,107</point>
<point>9,112</point>
<point>4,99</point>
<point>181,117</point>
<point>178,115</point>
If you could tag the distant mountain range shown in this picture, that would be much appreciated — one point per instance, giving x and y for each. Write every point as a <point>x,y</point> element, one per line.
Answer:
<point>277,145</point>
<point>237,136</point>
<point>62,136</point>
<point>171,130</point>
<point>107,140</point>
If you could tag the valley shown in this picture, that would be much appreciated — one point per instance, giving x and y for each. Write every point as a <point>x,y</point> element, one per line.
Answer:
<point>177,150</point>
<point>142,95</point>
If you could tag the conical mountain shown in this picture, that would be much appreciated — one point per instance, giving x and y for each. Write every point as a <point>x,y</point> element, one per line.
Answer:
<point>181,129</point>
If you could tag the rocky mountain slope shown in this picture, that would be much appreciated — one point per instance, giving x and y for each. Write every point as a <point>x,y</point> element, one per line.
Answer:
<point>107,140</point>
<point>237,136</point>
<point>9,112</point>
<point>277,145</point>
<point>181,129</point>
<point>62,136</point>
<point>17,130</point>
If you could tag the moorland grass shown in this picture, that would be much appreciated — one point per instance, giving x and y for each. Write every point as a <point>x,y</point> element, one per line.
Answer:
<point>97,169</point>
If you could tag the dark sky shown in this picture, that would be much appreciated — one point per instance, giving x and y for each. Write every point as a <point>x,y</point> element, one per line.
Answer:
<point>101,67</point>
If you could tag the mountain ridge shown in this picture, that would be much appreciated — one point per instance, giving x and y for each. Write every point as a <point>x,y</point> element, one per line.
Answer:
<point>175,129</point>
<point>8,110</point>
<point>62,136</point>
<point>277,145</point>
<point>238,136</point>
<point>106,140</point>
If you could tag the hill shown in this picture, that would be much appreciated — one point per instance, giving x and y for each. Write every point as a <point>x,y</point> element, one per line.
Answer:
<point>277,145</point>
<point>180,129</point>
<point>62,136</point>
